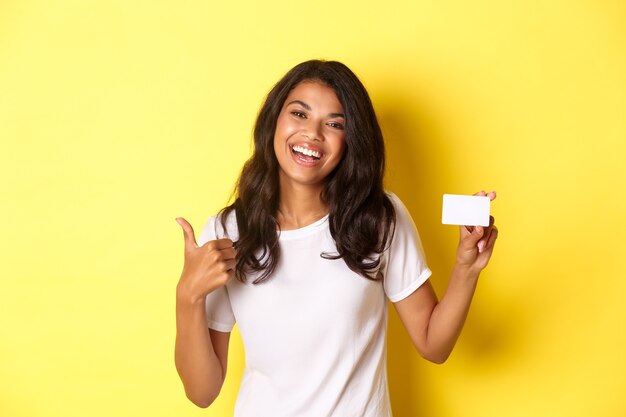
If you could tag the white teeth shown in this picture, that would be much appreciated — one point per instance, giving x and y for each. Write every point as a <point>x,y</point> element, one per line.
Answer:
<point>308,152</point>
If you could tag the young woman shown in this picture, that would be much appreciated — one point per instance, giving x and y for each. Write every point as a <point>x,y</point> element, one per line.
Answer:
<point>306,258</point>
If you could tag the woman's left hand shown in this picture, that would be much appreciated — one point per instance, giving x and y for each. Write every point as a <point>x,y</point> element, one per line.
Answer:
<point>476,242</point>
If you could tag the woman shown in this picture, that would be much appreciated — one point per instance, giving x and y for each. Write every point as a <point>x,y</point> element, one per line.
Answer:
<point>306,258</point>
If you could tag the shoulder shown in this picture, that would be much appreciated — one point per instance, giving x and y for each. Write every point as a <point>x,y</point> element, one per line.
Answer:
<point>221,225</point>
<point>405,267</point>
<point>402,213</point>
<point>395,200</point>
<point>405,230</point>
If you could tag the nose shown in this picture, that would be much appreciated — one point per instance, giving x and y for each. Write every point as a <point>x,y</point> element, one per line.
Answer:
<point>313,131</point>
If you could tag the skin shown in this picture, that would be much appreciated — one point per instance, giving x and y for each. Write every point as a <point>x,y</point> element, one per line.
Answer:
<point>201,353</point>
<point>312,118</point>
<point>434,326</point>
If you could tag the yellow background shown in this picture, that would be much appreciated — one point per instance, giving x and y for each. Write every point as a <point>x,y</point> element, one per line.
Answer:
<point>118,116</point>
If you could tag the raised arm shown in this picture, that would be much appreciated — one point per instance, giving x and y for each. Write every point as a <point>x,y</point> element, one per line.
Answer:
<point>434,326</point>
<point>201,353</point>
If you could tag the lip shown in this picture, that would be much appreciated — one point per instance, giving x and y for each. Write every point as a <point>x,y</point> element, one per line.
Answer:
<point>307,145</point>
<point>307,163</point>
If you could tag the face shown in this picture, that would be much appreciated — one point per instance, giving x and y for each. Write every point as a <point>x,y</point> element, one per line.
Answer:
<point>309,140</point>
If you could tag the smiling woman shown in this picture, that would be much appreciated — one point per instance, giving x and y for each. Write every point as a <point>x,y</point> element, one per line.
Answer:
<point>309,140</point>
<point>278,190</point>
<point>306,259</point>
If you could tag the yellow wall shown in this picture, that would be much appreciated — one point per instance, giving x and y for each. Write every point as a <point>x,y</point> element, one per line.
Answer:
<point>118,116</point>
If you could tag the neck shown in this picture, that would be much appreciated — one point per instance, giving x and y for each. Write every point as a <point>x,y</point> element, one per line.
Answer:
<point>300,205</point>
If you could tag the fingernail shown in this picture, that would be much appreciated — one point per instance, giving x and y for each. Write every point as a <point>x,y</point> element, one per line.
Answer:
<point>481,246</point>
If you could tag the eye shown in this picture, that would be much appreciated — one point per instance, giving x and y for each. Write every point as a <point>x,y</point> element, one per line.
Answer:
<point>336,125</point>
<point>298,113</point>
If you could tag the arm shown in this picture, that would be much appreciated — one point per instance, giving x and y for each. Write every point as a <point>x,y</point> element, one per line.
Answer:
<point>434,326</point>
<point>200,353</point>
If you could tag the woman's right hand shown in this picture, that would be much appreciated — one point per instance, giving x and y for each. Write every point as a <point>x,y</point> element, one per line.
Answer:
<point>206,267</point>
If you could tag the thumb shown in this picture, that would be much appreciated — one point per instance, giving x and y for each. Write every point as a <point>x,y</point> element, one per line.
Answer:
<point>190,237</point>
<point>470,239</point>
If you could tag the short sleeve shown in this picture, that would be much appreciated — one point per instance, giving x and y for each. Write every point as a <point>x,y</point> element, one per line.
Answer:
<point>405,262</point>
<point>219,313</point>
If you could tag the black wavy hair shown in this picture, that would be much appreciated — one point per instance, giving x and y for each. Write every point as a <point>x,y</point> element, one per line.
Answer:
<point>361,215</point>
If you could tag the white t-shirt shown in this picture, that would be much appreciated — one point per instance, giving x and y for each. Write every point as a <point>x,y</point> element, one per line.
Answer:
<point>315,333</point>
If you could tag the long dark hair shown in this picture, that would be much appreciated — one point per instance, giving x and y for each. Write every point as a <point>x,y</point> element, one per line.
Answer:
<point>361,216</point>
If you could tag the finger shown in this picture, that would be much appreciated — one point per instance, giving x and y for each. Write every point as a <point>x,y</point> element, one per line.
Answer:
<point>492,239</point>
<point>190,237</point>
<point>469,229</point>
<point>224,243</point>
<point>469,240</point>
<point>482,243</point>
<point>229,253</point>
<point>219,244</point>
<point>491,194</point>
<point>229,264</point>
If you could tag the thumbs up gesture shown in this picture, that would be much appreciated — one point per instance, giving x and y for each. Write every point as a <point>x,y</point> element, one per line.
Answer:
<point>206,267</point>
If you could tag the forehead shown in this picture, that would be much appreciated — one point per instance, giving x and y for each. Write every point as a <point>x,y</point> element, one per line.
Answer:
<point>314,93</point>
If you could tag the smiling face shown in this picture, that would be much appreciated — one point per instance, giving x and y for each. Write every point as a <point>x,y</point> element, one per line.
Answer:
<point>309,140</point>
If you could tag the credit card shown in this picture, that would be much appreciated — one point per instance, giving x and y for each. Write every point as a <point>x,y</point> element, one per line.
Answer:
<point>465,210</point>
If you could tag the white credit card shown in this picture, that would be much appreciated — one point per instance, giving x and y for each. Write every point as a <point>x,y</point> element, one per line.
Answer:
<point>465,210</point>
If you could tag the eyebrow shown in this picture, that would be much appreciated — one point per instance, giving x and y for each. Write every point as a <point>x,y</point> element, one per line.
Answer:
<point>306,106</point>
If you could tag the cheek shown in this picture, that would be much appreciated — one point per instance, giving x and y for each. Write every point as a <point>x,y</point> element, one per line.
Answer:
<point>341,145</point>
<point>279,135</point>
<point>284,127</point>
